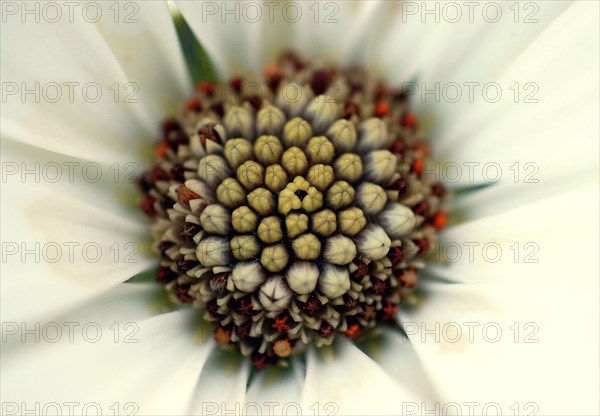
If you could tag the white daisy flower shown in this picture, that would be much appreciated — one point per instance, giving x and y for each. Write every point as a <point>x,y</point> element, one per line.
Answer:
<point>294,222</point>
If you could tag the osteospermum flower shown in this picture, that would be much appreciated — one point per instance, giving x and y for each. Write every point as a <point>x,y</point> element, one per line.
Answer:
<point>292,214</point>
<point>269,214</point>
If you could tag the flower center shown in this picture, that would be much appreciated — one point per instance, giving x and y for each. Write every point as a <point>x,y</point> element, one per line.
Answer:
<point>292,210</point>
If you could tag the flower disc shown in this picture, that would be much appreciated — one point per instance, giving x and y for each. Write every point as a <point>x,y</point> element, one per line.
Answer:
<point>294,208</point>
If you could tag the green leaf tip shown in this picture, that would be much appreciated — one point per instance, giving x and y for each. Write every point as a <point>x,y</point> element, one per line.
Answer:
<point>198,62</point>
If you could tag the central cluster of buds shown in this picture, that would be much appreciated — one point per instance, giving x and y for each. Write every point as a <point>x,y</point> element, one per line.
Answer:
<point>294,210</point>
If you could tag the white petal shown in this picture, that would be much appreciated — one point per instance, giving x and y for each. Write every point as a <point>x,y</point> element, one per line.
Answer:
<point>126,302</point>
<point>276,391</point>
<point>225,30</point>
<point>396,356</point>
<point>554,120</point>
<point>501,344</point>
<point>155,375</point>
<point>240,36</point>
<point>554,178</point>
<point>110,186</point>
<point>317,32</point>
<point>554,60</point>
<point>425,41</point>
<point>222,385</point>
<point>142,38</point>
<point>72,108</point>
<point>544,241</point>
<point>71,239</point>
<point>348,382</point>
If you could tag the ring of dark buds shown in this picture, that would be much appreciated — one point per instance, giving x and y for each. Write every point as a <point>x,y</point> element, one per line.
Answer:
<point>294,208</point>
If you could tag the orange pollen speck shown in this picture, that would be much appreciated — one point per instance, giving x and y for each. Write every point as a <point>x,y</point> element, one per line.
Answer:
<point>410,120</point>
<point>421,149</point>
<point>440,220</point>
<point>162,149</point>
<point>205,87</point>
<point>222,336</point>
<point>382,109</point>
<point>282,348</point>
<point>193,104</point>
<point>353,329</point>
<point>409,278</point>
<point>418,166</point>
<point>271,70</point>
